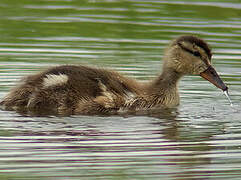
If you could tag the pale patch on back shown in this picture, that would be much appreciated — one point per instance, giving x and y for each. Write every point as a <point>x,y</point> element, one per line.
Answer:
<point>55,80</point>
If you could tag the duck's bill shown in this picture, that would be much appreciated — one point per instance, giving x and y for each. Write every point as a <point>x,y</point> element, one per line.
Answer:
<point>212,76</point>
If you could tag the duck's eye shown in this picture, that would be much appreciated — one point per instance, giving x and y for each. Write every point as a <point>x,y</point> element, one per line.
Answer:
<point>197,54</point>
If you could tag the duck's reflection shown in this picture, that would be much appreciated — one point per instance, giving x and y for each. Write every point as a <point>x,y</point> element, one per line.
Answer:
<point>189,145</point>
<point>156,140</point>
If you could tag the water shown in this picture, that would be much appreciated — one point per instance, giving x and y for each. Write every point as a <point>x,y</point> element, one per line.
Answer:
<point>227,95</point>
<point>201,139</point>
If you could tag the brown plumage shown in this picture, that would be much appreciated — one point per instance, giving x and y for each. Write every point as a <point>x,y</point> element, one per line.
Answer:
<point>69,89</point>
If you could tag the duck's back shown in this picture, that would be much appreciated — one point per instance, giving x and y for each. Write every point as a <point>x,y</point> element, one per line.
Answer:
<point>72,90</point>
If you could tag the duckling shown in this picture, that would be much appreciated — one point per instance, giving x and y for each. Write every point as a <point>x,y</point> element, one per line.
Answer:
<point>72,89</point>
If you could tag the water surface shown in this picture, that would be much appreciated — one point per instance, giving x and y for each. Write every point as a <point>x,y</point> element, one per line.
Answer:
<point>201,139</point>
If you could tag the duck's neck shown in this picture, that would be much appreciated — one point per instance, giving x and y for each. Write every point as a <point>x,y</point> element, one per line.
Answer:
<point>167,80</point>
<point>166,87</point>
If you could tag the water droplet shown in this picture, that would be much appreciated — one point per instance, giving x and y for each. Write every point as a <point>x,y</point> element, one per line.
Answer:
<point>227,95</point>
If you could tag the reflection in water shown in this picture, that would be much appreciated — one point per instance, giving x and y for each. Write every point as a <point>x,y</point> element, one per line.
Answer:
<point>138,146</point>
<point>199,140</point>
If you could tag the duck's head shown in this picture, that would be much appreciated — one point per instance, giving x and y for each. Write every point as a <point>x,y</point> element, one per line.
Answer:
<point>192,55</point>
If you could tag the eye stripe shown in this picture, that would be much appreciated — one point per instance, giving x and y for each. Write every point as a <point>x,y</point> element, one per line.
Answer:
<point>195,53</point>
<point>199,42</point>
<point>54,80</point>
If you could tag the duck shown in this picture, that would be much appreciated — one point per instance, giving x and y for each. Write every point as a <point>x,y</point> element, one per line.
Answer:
<point>84,90</point>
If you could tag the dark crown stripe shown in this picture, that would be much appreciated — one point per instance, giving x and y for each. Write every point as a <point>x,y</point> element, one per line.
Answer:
<point>197,41</point>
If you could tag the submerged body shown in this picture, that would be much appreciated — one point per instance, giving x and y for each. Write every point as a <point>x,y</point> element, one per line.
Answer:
<point>69,89</point>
